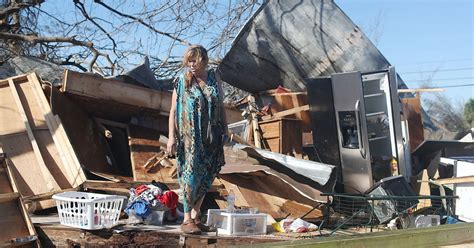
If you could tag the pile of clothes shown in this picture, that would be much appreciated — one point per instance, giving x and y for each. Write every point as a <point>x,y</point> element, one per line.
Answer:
<point>149,197</point>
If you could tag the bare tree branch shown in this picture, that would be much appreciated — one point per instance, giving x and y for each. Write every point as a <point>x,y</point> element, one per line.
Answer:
<point>80,6</point>
<point>36,39</point>
<point>15,8</point>
<point>142,22</point>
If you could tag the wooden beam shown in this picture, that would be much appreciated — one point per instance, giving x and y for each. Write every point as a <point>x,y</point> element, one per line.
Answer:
<point>273,93</point>
<point>95,184</point>
<point>255,128</point>
<point>9,196</point>
<point>48,195</point>
<point>9,171</point>
<point>457,234</point>
<point>96,87</point>
<point>421,90</point>
<point>71,163</point>
<point>45,173</point>
<point>286,113</point>
<point>238,139</point>
<point>5,82</point>
<point>456,180</point>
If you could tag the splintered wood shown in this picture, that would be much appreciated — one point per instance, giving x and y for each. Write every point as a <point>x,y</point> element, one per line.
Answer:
<point>149,160</point>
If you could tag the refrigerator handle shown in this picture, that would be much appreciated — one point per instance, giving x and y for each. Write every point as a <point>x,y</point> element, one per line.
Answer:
<point>359,132</point>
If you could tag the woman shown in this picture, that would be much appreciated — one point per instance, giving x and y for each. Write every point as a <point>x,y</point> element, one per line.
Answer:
<point>196,108</point>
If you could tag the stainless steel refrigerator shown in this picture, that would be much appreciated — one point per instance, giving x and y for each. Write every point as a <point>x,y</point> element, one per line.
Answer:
<point>357,124</point>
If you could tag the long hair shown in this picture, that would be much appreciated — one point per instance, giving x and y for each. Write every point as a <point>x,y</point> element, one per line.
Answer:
<point>197,52</point>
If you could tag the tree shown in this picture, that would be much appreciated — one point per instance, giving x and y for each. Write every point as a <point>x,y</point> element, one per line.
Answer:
<point>469,112</point>
<point>109,37</point>
<point>446,114</point>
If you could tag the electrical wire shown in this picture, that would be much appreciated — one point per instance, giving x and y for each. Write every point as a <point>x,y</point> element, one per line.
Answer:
<point>436,79</point>
<point>456,86</point>
<point>453,69</point>
<point>439,61</point>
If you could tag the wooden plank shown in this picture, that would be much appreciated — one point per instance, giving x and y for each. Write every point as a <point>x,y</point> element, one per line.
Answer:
<point>48,195</point>
<point>440,236</point>
<point>240,200</point>
<point>13,212</point>
<point>273,93</point>
<point>421,90</point>
<point>296,103</point>
<point>238,139</point>
<point>9,196</point>
<point>38,111</point>
<point>96,184</point>
<point>28,175</point>
<point>36,118</point>
<point>12,220</point>
<point>5,185</point>
<point>10,175</point>
<point>93,86</point>
<point>18,145</point>
<point>72,166</point>
<point>49,180</point>
<point>144,143</point>
<point>286,113</point>
<point>255,127</point>
<point>270,129</point>
<point>267,194</point>
<point>412,114</point>
<point>291,137</point>
<point>273,144</point>
<point>456,180</point>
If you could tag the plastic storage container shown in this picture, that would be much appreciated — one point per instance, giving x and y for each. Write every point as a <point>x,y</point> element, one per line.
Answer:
<point>88,210</point>
<point>155,218</point>
<point>237,223</point>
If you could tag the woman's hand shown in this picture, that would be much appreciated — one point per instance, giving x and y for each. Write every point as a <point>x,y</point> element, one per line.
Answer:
<point>171,146</point>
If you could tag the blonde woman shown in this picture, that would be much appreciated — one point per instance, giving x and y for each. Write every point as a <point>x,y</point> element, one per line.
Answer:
<point>196,114</point>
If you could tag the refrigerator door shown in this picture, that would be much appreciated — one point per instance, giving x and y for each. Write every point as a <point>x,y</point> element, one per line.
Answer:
<point>381,134</point>
<point>350,113</point>
<point>403,145</point>
<point>385,134</point>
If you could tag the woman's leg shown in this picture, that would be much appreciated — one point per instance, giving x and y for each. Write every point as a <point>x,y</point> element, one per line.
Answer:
<point>187,217</point>
<point>195,212</point>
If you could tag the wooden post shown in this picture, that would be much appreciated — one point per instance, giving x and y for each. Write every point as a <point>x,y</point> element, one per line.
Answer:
<point>253,111</point>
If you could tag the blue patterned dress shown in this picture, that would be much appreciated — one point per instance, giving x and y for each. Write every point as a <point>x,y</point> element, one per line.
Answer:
<point>197,164</point>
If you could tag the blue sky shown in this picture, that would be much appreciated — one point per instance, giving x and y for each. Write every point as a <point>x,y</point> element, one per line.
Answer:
<point>423,39</point>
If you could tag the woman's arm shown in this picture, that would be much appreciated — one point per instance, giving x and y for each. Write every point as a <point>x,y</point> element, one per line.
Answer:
<point>171,146</point>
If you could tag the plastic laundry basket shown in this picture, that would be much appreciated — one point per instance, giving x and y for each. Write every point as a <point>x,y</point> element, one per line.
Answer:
<point>88,210</point>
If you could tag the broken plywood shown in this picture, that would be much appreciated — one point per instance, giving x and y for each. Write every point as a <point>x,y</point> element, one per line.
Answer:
<point>42,157</point>
<point>81,130</point>
<point>412,113</point>
<point>144,145</point>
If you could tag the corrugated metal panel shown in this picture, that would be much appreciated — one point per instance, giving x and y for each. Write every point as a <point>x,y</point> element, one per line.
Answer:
<point>286,42</point>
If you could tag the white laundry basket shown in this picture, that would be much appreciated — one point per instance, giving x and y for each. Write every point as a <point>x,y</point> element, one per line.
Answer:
<point>88,210</point>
